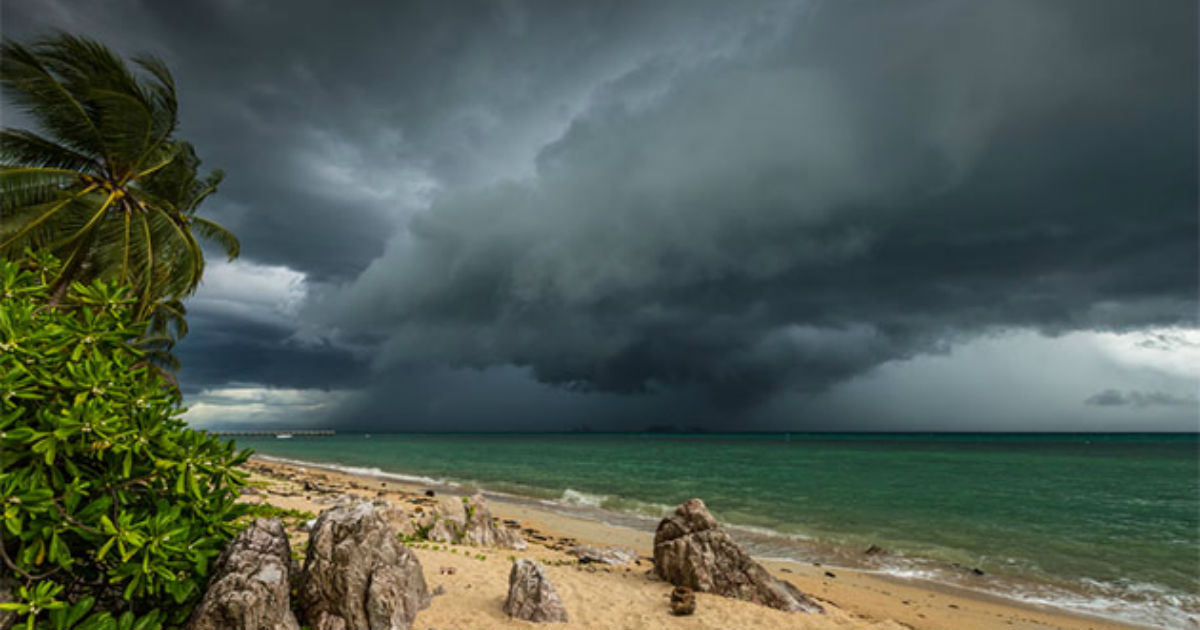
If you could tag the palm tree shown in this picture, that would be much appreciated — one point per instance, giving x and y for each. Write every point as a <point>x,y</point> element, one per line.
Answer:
<point>104,186</point>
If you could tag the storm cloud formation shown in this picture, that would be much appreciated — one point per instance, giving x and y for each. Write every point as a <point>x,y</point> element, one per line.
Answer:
<point>845,192</point>
<point>630,212</point>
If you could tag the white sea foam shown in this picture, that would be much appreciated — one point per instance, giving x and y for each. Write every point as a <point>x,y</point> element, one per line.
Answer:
<point>1135,603</point>
<point>1138,603</point>
<point>363,471</point>
<point>768,532</point>
<point>575,497</point>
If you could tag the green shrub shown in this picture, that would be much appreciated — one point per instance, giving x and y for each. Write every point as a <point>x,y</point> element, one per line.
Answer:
<point>112,508</point>
<point>288,516</point>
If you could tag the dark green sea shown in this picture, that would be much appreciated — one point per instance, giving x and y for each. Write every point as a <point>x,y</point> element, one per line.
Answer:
<point>1102,523</point>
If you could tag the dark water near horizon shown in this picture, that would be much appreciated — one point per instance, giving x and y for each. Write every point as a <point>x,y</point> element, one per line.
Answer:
<point>1102,523</point>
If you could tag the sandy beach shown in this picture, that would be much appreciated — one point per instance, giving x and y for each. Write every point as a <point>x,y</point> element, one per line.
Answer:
<point>474,580</point>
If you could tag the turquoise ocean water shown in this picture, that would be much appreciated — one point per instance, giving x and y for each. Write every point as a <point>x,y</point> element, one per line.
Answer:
<point>1107,524</point>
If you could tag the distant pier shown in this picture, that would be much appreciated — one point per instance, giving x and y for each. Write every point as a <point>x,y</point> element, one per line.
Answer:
<point>304,433</point>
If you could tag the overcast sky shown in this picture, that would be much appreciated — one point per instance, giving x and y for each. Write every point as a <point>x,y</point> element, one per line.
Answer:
<point>748,215</point>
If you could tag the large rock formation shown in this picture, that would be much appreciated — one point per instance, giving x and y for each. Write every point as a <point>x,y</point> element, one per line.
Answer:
<point>531,596</point>
<point>467,522</point>
<point>358,575</point>
<point>250,583</point>
<point>692,550</point>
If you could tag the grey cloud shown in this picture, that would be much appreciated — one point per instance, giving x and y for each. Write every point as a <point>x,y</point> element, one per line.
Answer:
<point>220,350</point>
<point>334,122</point>
<point>689,201</point>
<point>1107,398</point>
<point>1139,399</point>
<point>869,185</point>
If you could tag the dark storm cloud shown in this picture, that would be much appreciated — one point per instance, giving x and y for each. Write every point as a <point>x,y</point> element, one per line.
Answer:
<point>869,184</point>
<point>334,121</point>
<point>1138,400</point>
<point>686,201</point>
<point>223,350</point>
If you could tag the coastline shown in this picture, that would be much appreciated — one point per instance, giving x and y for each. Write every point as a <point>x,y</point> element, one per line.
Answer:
<point>629,597</point>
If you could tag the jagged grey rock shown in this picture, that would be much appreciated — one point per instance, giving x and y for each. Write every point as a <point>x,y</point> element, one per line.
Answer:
<point>250,583</point>
<point>481,529</point>
<point>462,522</point>
<point>602,555</point>
<point>358,575</point>
<point>531,596</point>
<point>691,549</point>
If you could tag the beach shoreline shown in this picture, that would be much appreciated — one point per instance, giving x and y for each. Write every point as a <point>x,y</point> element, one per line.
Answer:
<point>628,597</point>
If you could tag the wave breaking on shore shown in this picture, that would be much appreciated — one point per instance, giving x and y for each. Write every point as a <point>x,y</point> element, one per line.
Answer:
<point>1142,604</point>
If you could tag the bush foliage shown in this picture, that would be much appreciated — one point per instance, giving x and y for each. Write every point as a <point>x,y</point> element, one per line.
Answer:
<point>112,508</point>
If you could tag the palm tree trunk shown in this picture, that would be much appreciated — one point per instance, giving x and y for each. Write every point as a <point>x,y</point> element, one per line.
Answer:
<point>72,272</point>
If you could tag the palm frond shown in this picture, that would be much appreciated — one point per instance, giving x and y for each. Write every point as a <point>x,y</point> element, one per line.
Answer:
<point>162,91</point>
<point>17,238</point>
<point>24,187</point>
<point>217,233</point>
<point>48,101</point>
<point>127,126</point>
<point>101,183</point>
<point>25,148</point>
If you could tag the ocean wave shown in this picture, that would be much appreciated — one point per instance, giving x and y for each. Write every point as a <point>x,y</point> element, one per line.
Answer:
<point>1137,603</point>
<point>1132,602</point>
<point>364,471</point>
<point>1142,604</point>
<point>612,503</point>
<point>767,532</point>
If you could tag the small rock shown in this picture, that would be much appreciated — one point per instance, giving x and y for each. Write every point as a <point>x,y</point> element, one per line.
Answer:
<point>480,528</point>
<point>830,574</point>
<point>683,601</point>
<point>602,555</point>
<point>430,493</point>
<point>531,596</point>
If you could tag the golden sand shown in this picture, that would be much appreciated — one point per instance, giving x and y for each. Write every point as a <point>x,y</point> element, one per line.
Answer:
<point>630,597</point>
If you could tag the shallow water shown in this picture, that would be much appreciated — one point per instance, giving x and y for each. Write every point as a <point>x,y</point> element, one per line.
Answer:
<point>1108,524</point>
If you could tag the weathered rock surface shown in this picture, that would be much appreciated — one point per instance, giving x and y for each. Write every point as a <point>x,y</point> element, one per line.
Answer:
<point>683,601</point>
<point>692,550</point>
<point>602,555</point>
<point>250,583</point>
<point>461,522</point>
<point>482,530</point>
<point>358,575</point>
<point>531,596</point>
